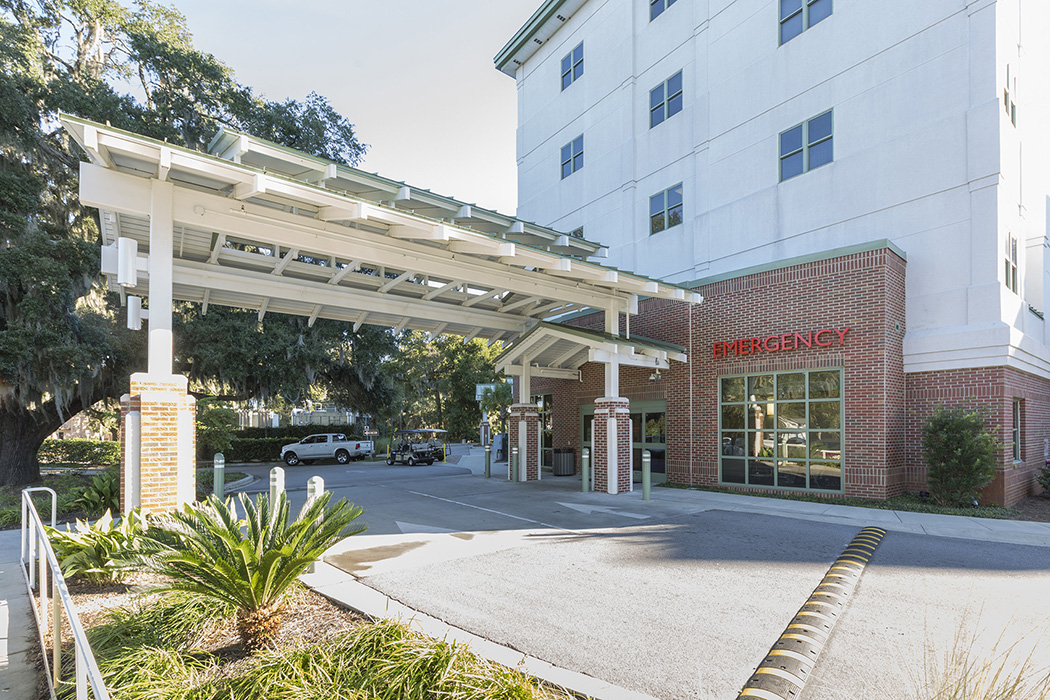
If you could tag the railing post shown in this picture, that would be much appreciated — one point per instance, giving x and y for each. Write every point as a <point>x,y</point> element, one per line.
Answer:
<point>488,461</point>
<point>276,484</point>
<point>314,489</point>
<point>585,470</point>
<point>514,463</point>
<point>219,484</point>
<point>56,633</point>
<point>647,476</point>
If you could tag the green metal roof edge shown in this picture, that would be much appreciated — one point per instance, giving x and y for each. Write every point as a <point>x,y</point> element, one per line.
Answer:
<point>594,335</point>
<point>801,260</point>
<point>528,30</point>
<point>398,183</point>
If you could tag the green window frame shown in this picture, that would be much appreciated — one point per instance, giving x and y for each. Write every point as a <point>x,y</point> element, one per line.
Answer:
<point>665,209</point>
<point>796,16</point>
<point>807,146</point>
<point>782,430</point>
<point>665,100</point>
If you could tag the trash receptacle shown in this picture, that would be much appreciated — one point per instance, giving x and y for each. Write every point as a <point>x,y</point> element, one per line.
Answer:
<point>564,461</point>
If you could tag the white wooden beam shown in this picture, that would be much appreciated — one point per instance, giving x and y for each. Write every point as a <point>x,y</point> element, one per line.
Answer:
<point>247,190</point>
<point>401,325</point>
<point>165,164</point>
<point>482,297</point>
<point>472,335</point>
<point>289,256</point>
<point>396,281</point>
<point>313,316</point>
<point>434,293</point>
<point>204,304</point>
<point>419,233</point>
<point>262,309</point>
<point>360,321</point>
<point>351,266</point>
<point>484,246</point>
<point>549,372</point>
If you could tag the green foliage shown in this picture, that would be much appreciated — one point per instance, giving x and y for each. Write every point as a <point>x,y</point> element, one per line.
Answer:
<point>95,551</point>
<point>91,453</point>
<point>1044,477</point>
<point>960,454</point>
<point>216,423</point>
<point>256,449</point>
<point>250,564</point>
<point>101,496</point>
<point>175,621</point>
<point>291,433</point>
<point>497,404</point>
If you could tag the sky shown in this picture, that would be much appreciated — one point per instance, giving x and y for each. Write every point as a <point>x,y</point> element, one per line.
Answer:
<point>415,77</point>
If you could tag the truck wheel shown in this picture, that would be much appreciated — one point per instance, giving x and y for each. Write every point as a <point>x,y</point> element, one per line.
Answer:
<point>342,456</point>
<point>411,461</point>
<point>291,459</point>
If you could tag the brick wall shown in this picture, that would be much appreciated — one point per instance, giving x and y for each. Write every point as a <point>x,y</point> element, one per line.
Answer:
<point>991,390</point>
<point>530,416</point>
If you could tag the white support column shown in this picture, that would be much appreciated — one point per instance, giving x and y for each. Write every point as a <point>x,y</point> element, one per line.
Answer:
<point>161,237</point>
<point>612,452</point>
<point>612,377</point>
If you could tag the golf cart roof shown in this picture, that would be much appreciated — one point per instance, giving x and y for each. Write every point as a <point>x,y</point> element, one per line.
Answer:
<point>418,431</point>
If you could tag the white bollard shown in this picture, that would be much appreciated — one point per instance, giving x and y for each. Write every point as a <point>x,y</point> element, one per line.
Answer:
<point>314,488</point>
<point>276,484</point>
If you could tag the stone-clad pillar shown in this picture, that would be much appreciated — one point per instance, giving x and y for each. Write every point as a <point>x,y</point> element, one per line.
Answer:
<point>612,445</point>
<point>524,432</point>
<point>158,444</point>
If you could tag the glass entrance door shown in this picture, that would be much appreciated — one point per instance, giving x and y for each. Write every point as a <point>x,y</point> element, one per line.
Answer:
<point>648,432</point>
<point>545,402</point>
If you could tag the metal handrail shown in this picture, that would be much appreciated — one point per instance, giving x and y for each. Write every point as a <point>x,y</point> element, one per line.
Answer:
<point>35,546</point>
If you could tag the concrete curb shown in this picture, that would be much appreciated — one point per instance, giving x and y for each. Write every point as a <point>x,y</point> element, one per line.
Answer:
<point>345,590</point>
<point>241,483</point>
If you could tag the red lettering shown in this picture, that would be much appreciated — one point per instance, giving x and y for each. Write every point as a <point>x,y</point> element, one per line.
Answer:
<point>816,338</point>
<point>806,339</point>
<point>772,343</point>
<point>756,345</point>
<point>744,341</point>
<point>842,335</point>
<point>733,347</point>
<point>787,341</point>
<point>719,350</point>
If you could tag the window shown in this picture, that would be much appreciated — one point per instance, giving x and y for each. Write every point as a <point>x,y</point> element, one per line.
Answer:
<point>657,7</point>
<point>572,66</point>
<point>1008,97</point>
<point>1011,263</point>
<point>572,157</point>
<point>806,146</point>
<point>665,100</point>
<point>782,430</point>
<point>665,209</point>
<point>1017,431</point>
<point>577,232</point>
<point>796,16</point>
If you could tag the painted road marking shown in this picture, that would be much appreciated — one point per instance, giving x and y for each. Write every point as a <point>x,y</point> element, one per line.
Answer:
<point>496,512</point>
<point>782,674</point>
<point>587,510</point>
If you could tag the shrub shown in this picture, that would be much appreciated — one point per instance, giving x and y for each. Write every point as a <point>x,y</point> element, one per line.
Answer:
<point>960,455</point>
<point>216,424</point>
<point>256,449</point>
<point>95,551</point>
<point>100,453</point>
<point>291,433</point>
<point>102,496</point>
<point>250,564</point>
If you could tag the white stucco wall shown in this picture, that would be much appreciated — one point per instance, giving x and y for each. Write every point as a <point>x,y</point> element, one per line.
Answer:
<point>924,152</point>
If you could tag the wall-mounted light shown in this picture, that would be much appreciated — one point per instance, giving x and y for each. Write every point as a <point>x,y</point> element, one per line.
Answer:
<point>655,376</point>
<point>127,262</point>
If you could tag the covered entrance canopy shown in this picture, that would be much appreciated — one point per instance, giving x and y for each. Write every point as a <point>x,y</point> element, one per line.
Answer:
<point>255,225</point>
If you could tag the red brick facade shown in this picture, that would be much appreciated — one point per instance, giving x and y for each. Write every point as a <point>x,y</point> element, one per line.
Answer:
<point>883,408</point>
<point>166,414</point>
<point>612,414</point>
<point>525,418</point>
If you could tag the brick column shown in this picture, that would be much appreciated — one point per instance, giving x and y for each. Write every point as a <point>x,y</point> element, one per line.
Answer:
<point>612,445</point>
<point>158,445</point>
<point>524,431</point>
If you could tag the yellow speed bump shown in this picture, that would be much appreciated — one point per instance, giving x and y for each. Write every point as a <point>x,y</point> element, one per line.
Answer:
<point>783,672</point>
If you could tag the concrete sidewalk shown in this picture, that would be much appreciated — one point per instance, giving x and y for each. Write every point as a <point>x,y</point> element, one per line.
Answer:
<point>18,677</point>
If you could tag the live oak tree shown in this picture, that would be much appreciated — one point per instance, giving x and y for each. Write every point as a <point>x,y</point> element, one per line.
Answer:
<point>62,347</point>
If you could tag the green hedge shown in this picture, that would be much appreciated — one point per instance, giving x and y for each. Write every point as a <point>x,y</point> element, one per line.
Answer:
<point>256,449</point>
<point>297,432</point>
<point>102,453</point>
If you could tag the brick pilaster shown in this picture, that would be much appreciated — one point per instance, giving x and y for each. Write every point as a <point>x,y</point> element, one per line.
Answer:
<point>612,415</point>
<point>524,432</point>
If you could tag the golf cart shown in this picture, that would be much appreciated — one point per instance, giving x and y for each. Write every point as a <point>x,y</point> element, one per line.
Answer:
<point>422,446</point>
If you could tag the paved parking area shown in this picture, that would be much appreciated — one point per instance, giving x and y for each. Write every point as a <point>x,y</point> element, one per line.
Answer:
<point>682,596</point>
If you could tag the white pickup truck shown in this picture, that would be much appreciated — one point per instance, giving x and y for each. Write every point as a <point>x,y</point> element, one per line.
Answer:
<point>326,446</point>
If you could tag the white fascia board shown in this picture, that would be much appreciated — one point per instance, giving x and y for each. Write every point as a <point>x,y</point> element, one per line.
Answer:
<point>314,294</point>
<point>627,358</point>
<point>546,372</point>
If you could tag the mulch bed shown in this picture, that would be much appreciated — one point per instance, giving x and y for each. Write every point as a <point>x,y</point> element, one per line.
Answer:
<point>1035,508</point>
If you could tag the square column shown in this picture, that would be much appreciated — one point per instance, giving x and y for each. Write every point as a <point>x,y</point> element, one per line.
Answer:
<point>612,445</point>
<point>524,432</point>
<point>158,444</point>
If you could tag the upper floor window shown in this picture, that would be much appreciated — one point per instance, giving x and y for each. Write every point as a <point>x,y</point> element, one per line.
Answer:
<point>572,157</point>
<point>572,66</point>
<point>657,7</point>
<point>665,100</point>
<point>796,16</point>
<point>665,209</point>
<point>806,146</point>
<point>1009,93</point>
<point>1011,263</point>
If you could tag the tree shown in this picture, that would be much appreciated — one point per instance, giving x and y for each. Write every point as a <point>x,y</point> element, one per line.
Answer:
<point>61,348</point>
<point>959,453</point>
<point>496,403</point>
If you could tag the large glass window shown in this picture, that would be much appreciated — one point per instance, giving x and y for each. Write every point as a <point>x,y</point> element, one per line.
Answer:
<point>572,66</point>
<point>796,16</point>
<point>665,100</point>
<point>782,430</point>
<point>1017,439</point>
<point>572,157</point>
<point>665,209</point>
<point>657,7</point>
<point>807,146</point>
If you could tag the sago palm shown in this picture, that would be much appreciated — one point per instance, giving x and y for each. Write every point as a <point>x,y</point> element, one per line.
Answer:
<point>251,563</point>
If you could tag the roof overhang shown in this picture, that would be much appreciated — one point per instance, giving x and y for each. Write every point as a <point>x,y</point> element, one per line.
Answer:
<point>558,351</point>
<point>268,228</point>
<point>543,24</point>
